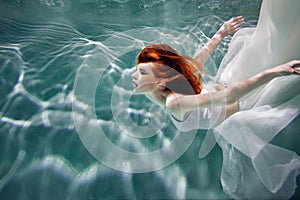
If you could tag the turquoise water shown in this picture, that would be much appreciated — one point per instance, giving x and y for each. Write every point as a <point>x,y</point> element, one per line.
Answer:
<point>48,48</point>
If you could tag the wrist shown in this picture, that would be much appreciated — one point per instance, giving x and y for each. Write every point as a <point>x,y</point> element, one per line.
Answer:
<point>270,74</point>
<point>218,36</point>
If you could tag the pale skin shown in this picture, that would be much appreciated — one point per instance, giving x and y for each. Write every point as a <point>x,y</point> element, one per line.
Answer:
<point>226,29</point>
<point>179,105</point>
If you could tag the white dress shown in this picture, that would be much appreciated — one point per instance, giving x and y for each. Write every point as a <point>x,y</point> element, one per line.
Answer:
<point>253,168</point>
<point>200,118</point>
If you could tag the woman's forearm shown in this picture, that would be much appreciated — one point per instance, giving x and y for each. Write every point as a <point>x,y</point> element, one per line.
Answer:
<point>227,96</point>
<point>238,90</point>
<point>208,48</point>
<point>178,103</point>
<point>228,28</point>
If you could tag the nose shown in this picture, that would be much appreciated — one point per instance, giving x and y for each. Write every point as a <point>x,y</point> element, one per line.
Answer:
<point>134,75</point>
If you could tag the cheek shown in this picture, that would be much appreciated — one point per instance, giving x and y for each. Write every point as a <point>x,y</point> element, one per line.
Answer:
<point>151,80</point>
<point>147,79</point>
<point>146,84</point>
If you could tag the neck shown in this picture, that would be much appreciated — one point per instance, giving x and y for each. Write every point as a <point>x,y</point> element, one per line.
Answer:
<point>158,97</point>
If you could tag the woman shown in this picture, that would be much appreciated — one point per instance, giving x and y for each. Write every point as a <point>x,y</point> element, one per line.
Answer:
<point>168,79</point>
<point>240,113</point>
<point>174,81</point>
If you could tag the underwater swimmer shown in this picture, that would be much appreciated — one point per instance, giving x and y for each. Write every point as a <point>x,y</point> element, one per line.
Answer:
<point>173,81</point>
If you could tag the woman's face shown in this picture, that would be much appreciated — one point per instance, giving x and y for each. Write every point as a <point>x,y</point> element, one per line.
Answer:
<point>143,78</point>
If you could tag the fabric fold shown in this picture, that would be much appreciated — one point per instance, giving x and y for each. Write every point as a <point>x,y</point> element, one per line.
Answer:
<point>253,167</point>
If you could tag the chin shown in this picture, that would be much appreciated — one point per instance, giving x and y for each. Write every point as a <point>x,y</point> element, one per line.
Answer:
<point>136,90</point>
<point>139,90</point>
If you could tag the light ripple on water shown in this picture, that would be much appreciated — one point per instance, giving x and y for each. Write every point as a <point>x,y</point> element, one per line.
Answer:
<point>38,67</point>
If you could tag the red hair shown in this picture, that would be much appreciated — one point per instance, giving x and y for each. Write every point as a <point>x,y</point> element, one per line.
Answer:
<point>178,72</point>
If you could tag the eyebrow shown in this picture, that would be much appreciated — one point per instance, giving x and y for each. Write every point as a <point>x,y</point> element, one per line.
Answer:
<point>142,69</point>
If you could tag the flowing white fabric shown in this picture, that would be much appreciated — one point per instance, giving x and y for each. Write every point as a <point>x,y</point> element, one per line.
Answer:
<point>253,168</point>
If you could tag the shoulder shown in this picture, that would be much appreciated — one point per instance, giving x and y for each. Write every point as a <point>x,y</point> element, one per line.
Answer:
<point>185,103</point>
<point>174,105</point>
<point>173,102</point>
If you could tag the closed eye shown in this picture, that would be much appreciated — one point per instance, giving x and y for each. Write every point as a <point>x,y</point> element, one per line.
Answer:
<point>142,71</point>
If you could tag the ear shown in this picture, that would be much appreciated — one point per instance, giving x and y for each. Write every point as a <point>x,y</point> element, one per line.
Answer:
<point>160,84</point>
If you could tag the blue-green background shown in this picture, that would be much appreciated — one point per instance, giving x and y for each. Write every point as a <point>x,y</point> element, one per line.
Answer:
<point>42,45</point>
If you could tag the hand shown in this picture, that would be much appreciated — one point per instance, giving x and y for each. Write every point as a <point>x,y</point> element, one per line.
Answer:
<point>292,67</point>
<point>231,26</point>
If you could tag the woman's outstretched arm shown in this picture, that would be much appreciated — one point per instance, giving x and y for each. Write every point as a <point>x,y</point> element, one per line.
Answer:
<point>227,28</point>
<point>185,103</point>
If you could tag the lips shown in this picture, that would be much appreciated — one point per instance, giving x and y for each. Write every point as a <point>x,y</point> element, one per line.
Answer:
<point>135,85</point>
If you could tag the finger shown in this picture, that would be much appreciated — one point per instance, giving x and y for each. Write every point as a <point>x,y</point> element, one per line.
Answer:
<point>233,19</point>
<point>297,71</point>
<point>296,67</point>
<point>237,19</point>
<point>237,27</point>
<point>295,64</point>
<point>238,22</point>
